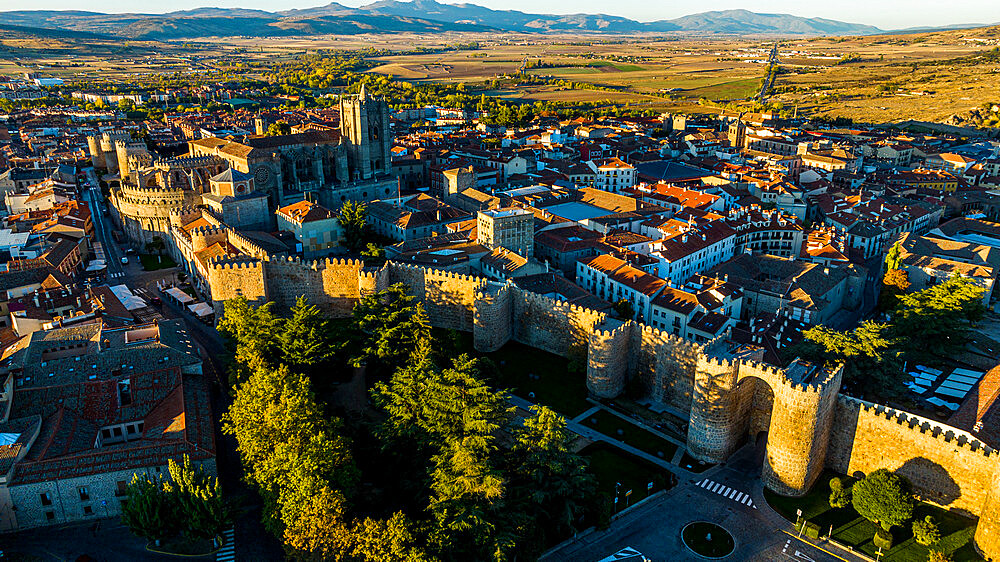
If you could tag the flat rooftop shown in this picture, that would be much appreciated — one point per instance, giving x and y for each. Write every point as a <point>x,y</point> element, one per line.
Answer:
<point>577,211</point>
<point>511,212</point>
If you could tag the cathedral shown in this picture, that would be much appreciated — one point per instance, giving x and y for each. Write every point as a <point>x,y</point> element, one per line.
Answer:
<point>244,180</point>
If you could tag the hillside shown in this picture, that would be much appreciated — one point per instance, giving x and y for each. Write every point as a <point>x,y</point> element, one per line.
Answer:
<point>743,22</point>
<point>429,16</point>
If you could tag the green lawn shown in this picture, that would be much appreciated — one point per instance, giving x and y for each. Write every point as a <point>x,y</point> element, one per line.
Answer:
<point>631,434</point>
<point>611,465</point>
<point>526,371</point>
<point>851,529</point>
<point>529,373</point>
<point>151,262</point>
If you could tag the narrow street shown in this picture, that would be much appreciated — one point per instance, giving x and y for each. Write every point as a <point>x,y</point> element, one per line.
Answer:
<point>104,243</point>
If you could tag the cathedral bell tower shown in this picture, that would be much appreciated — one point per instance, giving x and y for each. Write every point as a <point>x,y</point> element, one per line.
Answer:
<point>364,124</point>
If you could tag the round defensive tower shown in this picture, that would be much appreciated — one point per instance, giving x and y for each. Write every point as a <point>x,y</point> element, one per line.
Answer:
<point>607,361</point>
<point>800,429</point>
<point>713,431</point>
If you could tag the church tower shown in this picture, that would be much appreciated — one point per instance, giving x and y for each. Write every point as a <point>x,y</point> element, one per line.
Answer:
<point>364,124</point>
<point>737,133</point>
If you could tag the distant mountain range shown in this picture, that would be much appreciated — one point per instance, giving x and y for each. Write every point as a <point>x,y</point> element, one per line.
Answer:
<point>388,16</point>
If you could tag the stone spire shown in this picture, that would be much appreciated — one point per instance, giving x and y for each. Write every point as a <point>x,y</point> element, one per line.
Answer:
<point>363,95</point>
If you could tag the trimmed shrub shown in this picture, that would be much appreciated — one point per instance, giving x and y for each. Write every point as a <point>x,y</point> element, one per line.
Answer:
<point>840,496</point>
<point>882,539</point>
<point>938,556</point>
<point>926,532</point>
<point>809,529</point>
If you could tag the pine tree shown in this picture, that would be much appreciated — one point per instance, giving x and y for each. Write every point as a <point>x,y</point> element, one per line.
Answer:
<point>883,497</point>
<point>390,325</point>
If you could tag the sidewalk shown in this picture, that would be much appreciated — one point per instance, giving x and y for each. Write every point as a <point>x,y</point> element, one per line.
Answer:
<point>595,435</point>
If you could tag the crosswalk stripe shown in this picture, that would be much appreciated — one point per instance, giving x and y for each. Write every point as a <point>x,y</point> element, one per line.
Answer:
<point>228,551</point>
<point>726,492</point>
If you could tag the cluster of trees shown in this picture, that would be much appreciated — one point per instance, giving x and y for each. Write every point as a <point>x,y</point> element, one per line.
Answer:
<point>321,70</point>
<point>436,468</point>
<point>934,322</point>
<point>886,499</point>
<point>189,503</point>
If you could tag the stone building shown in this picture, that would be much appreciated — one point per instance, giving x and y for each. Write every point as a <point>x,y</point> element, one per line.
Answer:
<point>87,407</point>
<point>235,198</point>
<point>511,228</point>
<point>103,152</point>
<point>325,165</point>
<point>143,200</point>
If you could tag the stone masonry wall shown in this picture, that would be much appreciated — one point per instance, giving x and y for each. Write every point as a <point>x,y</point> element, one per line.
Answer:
<point>947,466</point>
<point>665,364</point>
<point>331,284</point>
<point>449,298</point>
<point>799,435</point>
<point>987,539</point>
<point>492,318</point>
<point>232,278</point>
<point>607,365</point>
<point>554,326</point>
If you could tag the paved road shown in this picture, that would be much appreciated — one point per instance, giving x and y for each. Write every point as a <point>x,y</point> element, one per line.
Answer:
<point>730,495</point>
<point>102,228</point>
<point>105,540</point>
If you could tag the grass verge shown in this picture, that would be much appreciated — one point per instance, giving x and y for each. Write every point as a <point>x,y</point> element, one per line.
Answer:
<point>631,434</point>
<point>613,466</point>
<point>151,263</point>
<point>852,530</point>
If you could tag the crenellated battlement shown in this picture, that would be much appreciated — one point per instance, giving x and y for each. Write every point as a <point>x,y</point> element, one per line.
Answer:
<point>622,329</point>
<point>187,162</point>
<point>344,262</point>
<point>209,230</point>
<point>542,300</point>
<point>941,432</point>
<point>234,262</point>
<point>186,210</point>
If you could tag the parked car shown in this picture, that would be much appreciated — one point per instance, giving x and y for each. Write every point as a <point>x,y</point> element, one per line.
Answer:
<point>124,259</point>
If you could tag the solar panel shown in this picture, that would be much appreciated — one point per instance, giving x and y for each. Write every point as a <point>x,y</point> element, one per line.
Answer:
<point>944,391</point>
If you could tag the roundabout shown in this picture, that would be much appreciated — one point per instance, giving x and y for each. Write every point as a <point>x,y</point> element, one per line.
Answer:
<point>708,540</point>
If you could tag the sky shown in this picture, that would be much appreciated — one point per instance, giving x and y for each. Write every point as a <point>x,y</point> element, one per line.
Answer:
<point>887,14</point>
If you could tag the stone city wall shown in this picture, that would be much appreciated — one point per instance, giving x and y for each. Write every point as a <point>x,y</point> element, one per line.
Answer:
<point>809,426</point>
<point>947,466</point>
<point>551,325</point>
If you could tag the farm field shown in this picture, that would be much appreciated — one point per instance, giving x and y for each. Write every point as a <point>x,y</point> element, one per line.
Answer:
<point>926,76</point>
